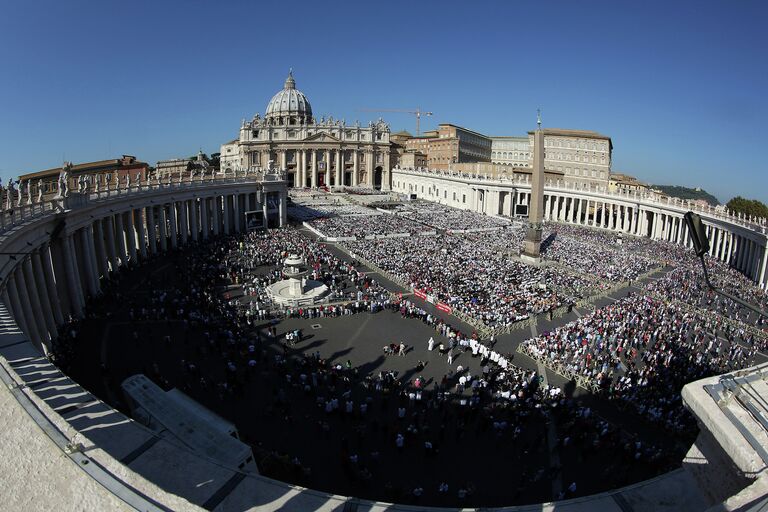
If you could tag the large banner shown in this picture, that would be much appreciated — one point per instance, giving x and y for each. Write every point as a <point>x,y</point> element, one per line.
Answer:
<point>254,220</point>
<point>420,294</point>
<point>442,306</point>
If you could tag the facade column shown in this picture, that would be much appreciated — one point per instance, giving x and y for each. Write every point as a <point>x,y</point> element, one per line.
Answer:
<point>151,230</point>
<point>283,160</point>
<point>339,168</point>
<point>46,299</point>
<point>50,284</point>
<point>355,167</point>
<point>546,207</point>
<point>369,168</point>
<point>204,213</point>
<point>327,173</point>
<point>314,168</point>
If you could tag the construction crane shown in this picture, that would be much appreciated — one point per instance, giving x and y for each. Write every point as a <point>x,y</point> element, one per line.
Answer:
<point>418,113</point>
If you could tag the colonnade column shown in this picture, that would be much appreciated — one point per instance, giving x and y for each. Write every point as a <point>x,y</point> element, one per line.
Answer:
<point>173,221</point>
<point>216,214</point>
<point>45,261</point>
<point>16,305</point>
<point>193,229</point>
<point>130,235</point>
<point>32,298</point>
<point>204,212</point>
<point>151,229</point>
<point>101,250</point>
<point>89,263</point>
<point>43,292</point>
<point>141,231</point>
<point>236,210</point>
<point>110,239</point>
<point>183,216</point>
<point>122,250</point>
<point>163,227</point>
<point>73,281</point>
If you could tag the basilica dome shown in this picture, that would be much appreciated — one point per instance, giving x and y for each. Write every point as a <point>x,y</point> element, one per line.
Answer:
<point>289,106</point>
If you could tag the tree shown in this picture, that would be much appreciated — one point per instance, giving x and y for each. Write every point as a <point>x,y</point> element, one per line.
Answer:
<point>748,207</point>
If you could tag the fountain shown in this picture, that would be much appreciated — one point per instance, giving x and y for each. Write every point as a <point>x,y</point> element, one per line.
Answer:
<point>295,289</point>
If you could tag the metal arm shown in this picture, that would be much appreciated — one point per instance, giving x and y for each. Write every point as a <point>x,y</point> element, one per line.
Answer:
<point>728,295</point>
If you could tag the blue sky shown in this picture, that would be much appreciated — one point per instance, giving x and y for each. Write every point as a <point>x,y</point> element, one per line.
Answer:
<point>679,86</point>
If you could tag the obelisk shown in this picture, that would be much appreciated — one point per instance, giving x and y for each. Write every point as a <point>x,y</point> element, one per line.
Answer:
<point>532,243</point>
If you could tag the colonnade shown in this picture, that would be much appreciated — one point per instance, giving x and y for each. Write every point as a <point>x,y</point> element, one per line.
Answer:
<point>738,245</point>
<point>51,283</point>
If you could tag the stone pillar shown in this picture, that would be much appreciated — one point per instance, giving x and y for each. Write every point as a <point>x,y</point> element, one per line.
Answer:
<point>216,212</point>
<point>163,211</point>
<point>16,305</point>
<point>264,209</point>
<point>73,280</point>
<point>327,158</point>
<point>369,168</point>
<point>151,230</point>
<point>578,211</point>
<point>283,210</point>
<point>194,231</point>
<point>355,167</point>
<point>46,262</point>
<point>173,222</point>
<point>283,160</point>
<point>141,232</point>
<point>204,213</point>
<point>226,214</point>
<point>101,250</point>
<point>89,262</point>
<point>183,223</point>
<point>122,250</point>
<point>130,235</point>
<point>28,283</point>
<point>36,270</point>
<point>314,168</point>
<point>763,265</point>
<point>108,222</point>
<point>237,214</point>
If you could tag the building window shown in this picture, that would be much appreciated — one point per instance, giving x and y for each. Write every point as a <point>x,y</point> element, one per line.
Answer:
<point>463,198</point>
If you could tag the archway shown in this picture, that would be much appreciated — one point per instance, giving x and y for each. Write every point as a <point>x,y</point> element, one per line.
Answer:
<point>377,176</point>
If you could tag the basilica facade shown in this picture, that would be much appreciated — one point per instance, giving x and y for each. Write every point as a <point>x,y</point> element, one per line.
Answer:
<point>313,153</point>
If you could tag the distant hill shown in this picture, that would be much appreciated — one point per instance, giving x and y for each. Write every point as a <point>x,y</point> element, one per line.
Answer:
<point>687,193</point>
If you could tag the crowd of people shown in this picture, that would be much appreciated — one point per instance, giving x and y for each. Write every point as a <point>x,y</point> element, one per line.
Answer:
<point>451,219</point>
<point>637,352</point>
<point>473,278</point>
<point>641,351</point>
<point>371,225</point>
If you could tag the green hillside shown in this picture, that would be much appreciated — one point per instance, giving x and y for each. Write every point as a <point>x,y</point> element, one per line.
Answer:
<point>687,193</point>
